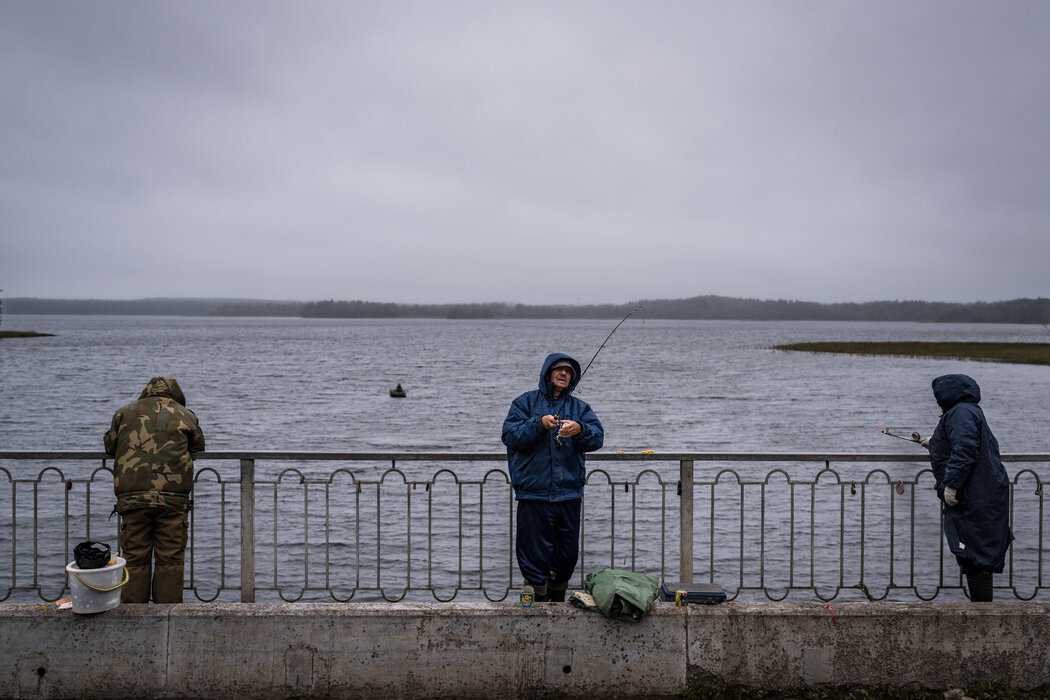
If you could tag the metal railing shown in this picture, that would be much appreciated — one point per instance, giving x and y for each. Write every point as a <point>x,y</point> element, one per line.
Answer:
<point>392,526</point>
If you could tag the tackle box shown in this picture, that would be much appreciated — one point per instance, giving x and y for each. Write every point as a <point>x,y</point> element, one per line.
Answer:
<point>703,593</point>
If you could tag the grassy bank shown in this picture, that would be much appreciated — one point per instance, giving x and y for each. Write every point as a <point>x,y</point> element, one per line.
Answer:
<point>1017,353</point>
<point>23,334</point>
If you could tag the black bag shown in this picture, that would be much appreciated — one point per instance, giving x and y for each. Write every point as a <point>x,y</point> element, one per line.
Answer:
<point>91,555</point>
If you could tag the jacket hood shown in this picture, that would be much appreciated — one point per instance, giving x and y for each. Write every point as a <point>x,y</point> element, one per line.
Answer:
<point>166,387</point>
<point>951,389</point>
<point>548,388</point>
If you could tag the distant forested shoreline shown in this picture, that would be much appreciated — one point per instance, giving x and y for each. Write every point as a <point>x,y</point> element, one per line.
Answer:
<point>695,308</point>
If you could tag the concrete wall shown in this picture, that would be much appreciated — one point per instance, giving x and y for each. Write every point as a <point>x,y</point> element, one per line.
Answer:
<point>498,650</point>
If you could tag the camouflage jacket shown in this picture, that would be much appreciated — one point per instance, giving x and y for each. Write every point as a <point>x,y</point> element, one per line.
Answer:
<point>150,441</point>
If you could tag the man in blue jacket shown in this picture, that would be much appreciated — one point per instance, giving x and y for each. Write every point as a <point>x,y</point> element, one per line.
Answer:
<point>972,483</point>
<point>547,433</point>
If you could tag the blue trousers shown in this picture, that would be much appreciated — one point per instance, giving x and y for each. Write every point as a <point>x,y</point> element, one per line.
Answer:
<point>548,539</point>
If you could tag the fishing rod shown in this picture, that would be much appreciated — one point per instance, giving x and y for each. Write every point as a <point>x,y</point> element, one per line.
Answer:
<point>915,437</point>
<point>562,404</point>
<point>606,341</point>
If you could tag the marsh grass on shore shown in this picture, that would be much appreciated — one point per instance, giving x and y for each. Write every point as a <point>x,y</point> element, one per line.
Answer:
<point>1014,353</point>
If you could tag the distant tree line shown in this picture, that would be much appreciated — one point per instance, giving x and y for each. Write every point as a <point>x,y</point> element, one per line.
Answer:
<point>258,308</point>
<point>371,309</point>
<point>155,307</point>
<point>695,308</point>
<point>725,308</point>
<point>709,308</point>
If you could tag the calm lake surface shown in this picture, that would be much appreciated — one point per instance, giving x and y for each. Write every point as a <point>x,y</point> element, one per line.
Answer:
<point>294,384</point>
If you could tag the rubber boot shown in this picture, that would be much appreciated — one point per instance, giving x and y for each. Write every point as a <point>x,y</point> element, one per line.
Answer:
<point>540,592</point>
<point>556,590</point>
<point>980,583</point>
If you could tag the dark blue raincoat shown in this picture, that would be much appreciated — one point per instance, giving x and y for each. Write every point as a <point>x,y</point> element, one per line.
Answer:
<point>542,466</point>
<point>965,456</point>
<point>548,476</point>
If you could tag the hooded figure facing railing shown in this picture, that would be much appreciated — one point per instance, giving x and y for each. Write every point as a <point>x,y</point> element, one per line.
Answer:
<point>150,440</point>
<point>972,483</point>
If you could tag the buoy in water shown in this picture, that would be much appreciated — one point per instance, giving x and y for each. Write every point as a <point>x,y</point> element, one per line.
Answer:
<point>398,392</point>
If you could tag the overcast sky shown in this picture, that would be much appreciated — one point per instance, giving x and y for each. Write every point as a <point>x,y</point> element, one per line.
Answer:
<point>536,152</point>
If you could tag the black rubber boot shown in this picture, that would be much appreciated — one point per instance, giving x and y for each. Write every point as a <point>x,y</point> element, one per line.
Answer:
<point>980,583</point>
<point>556,590</point>
<point>540,592</point>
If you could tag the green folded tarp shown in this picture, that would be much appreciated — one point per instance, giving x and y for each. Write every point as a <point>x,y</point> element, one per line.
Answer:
<point>622,595</point>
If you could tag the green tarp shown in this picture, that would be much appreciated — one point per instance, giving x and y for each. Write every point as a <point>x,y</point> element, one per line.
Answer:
<point>622,595</point>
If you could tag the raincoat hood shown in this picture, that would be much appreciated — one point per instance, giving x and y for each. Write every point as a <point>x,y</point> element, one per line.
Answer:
<point>952,389</point>
<point>165,387</point>
<point>546,386</point>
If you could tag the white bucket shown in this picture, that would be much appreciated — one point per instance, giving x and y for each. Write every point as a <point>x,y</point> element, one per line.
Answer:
<point>96,590</point>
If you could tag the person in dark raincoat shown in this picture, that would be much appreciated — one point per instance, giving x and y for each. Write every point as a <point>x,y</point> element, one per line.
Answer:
<point>547,432</point>
<point>972,483</point>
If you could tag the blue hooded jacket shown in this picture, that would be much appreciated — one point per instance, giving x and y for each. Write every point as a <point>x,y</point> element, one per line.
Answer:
<point>965,456</point>
<point>542,466</point>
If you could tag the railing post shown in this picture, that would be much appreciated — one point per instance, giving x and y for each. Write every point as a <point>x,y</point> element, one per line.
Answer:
<point>685,522</point>
<point>247,530</point>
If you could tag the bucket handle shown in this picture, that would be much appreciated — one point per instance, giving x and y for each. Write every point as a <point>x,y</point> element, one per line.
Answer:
<point>104,590</point>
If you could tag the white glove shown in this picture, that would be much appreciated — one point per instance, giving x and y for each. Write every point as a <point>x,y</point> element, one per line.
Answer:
<point>925,442</point>
<point>949,496</point>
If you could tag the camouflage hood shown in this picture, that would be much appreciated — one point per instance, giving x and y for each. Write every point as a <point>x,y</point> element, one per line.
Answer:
<point>166,387</point>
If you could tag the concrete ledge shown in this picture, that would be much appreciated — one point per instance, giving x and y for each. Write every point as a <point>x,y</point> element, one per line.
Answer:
<point>932,645</point>
<point>498,650</point>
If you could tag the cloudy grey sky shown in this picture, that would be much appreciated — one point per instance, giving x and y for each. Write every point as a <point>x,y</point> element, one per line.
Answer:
<point>535,152</point>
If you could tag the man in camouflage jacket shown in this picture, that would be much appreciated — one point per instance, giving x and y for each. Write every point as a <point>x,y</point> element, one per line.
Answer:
<point>150,440</point>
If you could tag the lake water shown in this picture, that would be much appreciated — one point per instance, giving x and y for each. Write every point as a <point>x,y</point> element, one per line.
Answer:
<point>669,386</point>
<point>308,384</point>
